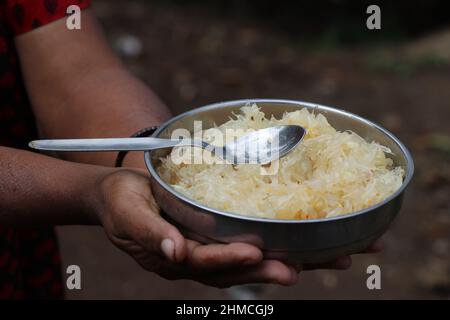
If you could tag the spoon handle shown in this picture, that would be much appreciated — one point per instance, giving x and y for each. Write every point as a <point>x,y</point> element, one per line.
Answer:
<point>107,144</point>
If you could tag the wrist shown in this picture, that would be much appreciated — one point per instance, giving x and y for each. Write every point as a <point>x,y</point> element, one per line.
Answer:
<point>92,194</point>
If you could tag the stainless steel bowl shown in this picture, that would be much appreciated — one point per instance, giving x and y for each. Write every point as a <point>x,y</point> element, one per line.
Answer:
<point>295,241</point>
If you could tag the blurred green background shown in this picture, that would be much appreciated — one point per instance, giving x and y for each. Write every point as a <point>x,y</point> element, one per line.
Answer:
<point>197,52</point>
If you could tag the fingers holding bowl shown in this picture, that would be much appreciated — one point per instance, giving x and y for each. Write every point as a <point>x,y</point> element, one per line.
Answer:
<point>377,246</point>
<point>267,271</point>
<point>220,265</point>
<point>221,256</point>
<point>345,262</point>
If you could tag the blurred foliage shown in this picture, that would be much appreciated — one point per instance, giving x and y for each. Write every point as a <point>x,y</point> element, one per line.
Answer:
<point>440,142</point>
<point>404,66</point>
<point>330,23</point>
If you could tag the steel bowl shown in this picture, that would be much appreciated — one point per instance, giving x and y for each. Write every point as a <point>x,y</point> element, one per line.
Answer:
<point>294,241</point>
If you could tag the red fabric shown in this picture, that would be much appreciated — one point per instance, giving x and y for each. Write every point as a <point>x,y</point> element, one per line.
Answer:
<point>25,15</point>
<point>29,258</point>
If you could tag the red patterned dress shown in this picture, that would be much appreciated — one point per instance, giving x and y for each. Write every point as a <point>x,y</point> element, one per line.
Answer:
<point>29,258</point>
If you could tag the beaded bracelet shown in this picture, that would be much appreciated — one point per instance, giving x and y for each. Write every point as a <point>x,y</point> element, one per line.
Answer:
<point>146,132</point>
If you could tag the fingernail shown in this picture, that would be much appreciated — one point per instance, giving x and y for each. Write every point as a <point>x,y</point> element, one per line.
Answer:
<point>343,262</point>
<point>249,262</point>
<point>378,245</point>
<point>287,281</point>
<point>168,248</point>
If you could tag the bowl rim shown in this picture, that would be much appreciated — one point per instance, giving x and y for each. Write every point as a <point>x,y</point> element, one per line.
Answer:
<point>218,105</point>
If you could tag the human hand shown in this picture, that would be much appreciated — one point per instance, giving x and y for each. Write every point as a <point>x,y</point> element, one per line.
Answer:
<point>130,217</point>
<point>132,222</point>
<point>344,262</point>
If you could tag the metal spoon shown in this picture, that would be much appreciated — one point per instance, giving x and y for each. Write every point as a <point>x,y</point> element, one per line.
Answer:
<point>257,147</point>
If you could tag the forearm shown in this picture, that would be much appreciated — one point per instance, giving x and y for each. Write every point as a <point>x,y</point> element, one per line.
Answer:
<point>106,103</point>
<point>39,190</point>
<point>84,90</point>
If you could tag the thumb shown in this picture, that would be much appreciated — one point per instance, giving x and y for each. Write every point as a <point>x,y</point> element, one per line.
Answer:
<point>159,235</point>
<point>165,238</point>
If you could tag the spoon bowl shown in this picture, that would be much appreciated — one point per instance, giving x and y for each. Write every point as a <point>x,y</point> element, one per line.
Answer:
<point>257,147</point>
<point>263,146</point>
